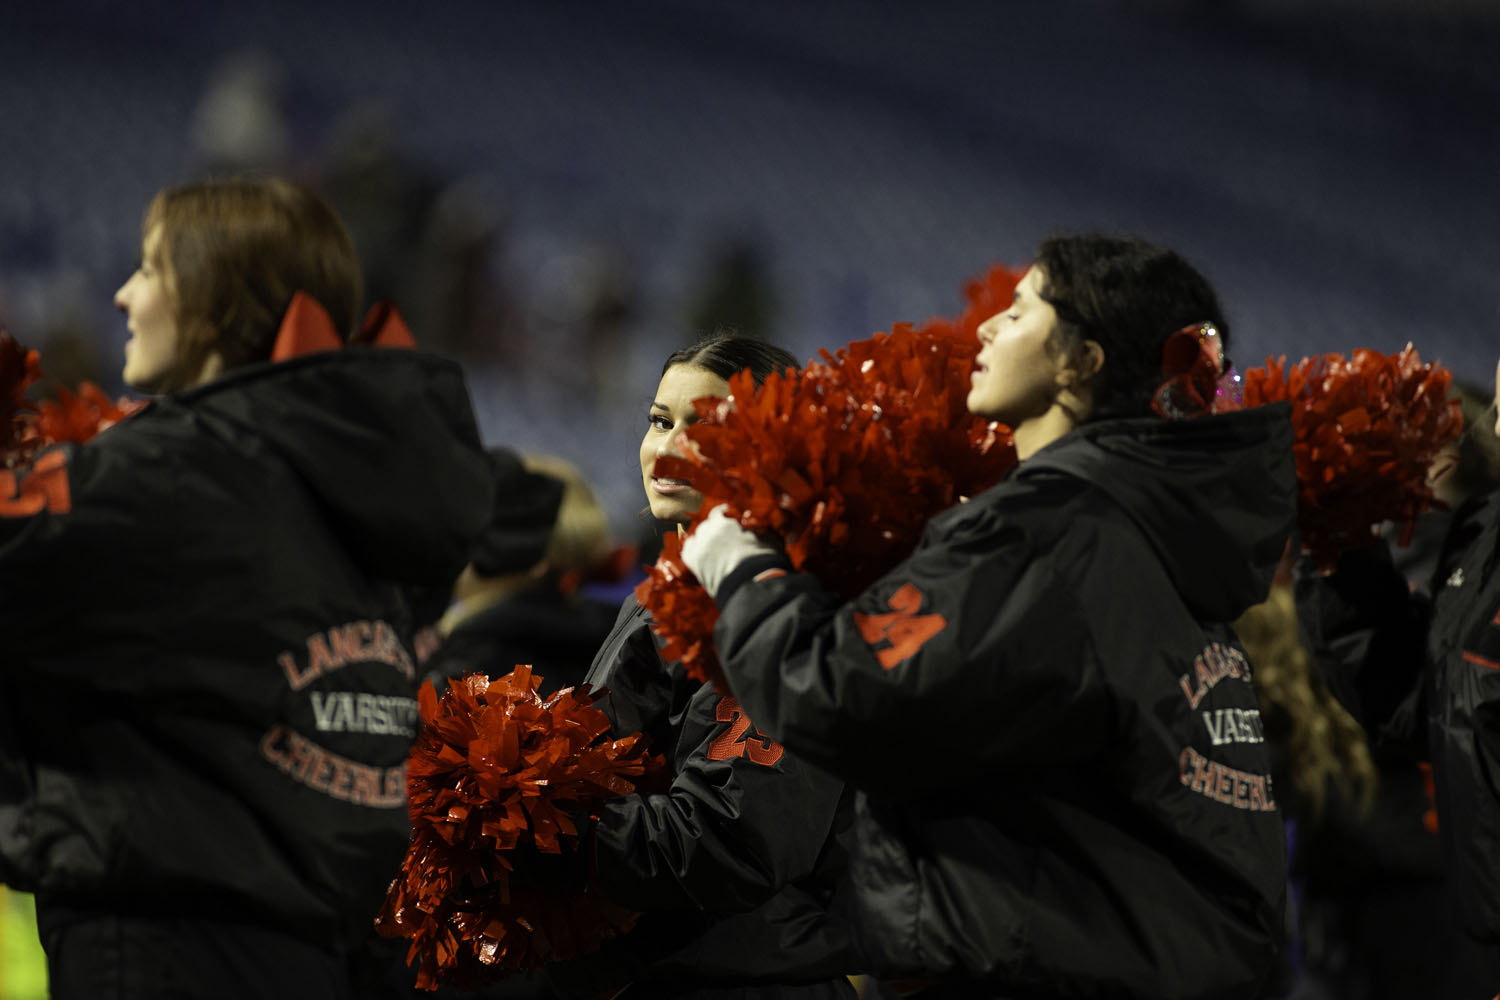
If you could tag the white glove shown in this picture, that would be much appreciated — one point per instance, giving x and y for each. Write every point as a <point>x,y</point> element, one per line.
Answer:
<point>717,546</point>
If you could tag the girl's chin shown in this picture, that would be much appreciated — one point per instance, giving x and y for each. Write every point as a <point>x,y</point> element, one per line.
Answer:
<point>677,509</point>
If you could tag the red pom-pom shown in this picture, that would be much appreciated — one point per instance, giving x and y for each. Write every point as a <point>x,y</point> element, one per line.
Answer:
<point>26,428</point>
<point>683,613</point>
<point>19,368</point>
<point>1367,429</point>
<point>845,460</point>
<point>79,417</point>
<point>497,768</point>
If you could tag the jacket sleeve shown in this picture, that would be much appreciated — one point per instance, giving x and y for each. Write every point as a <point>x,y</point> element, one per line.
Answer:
<point>1367,635</point>
<point>33,501</point>
<point>80,531</point>
<point>969,658</point>
<point>741,819</point>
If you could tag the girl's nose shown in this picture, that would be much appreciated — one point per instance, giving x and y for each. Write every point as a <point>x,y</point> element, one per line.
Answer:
<point>987,329</point>
<point>669,445</point>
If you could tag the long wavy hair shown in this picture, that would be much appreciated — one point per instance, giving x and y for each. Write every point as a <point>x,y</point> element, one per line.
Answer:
<point>1315,742</point>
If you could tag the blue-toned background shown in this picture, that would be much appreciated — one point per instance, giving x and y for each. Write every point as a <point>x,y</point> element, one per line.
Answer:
<point>562,192</point>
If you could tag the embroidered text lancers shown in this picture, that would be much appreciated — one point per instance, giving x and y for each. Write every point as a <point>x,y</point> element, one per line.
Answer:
<point>356,642</point>
<point>1216,663</point>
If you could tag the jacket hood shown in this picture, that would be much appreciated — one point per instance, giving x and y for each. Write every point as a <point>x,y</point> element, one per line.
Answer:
<point>1216,497</point>
<point>386,439</point>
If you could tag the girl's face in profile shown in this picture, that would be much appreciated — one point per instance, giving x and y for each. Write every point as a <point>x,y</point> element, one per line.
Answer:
<point>1496,408</point>
<point>1016,375</point>
<point>153,354</point>
<point>672,412</point>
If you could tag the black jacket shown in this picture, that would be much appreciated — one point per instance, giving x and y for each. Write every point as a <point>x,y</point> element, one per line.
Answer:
<point>1063,785</point>
<point>208,695</point>
<point>732,864</point>
<point>1425,676</point>
<point>556,634</point>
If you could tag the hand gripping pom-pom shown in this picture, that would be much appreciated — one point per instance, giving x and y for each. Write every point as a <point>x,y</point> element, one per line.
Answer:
<point>844,460</point>
<point>1366,431</point>
<point>498,776</point>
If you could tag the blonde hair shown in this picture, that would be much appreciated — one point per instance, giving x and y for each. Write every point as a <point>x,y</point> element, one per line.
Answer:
<point>1316,738</point>
<point>580,538</point>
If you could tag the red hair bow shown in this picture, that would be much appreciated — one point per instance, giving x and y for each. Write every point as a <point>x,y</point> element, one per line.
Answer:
<point>306,329</point>
<point>1192,359</point>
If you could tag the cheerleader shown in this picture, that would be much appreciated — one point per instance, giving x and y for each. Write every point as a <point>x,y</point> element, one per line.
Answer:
<point>1063,789</point>
<point>732,864</point>
<point>1418,662</point>
<point>208,691</point>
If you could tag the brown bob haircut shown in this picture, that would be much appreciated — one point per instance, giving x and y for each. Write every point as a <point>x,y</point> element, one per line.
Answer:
<point>235,251</point>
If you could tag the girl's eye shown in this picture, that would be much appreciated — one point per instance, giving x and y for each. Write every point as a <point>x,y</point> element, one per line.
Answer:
<point>660,422</point>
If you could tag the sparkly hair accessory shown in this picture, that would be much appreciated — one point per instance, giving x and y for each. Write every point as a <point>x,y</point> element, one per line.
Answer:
<point>1198,382</point>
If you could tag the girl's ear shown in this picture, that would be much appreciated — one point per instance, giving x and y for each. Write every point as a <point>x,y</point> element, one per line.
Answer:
<point>1088,360</point>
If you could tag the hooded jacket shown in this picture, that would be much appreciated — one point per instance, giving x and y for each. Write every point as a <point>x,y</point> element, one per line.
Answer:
<point>1425,677</point>
<point>208,694</point>
<point>732,864</point>
<point>1063,785</point>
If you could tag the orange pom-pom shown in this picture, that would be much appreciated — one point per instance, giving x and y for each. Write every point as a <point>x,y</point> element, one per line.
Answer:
<point>498,769</point>
<point>1366,430</point>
